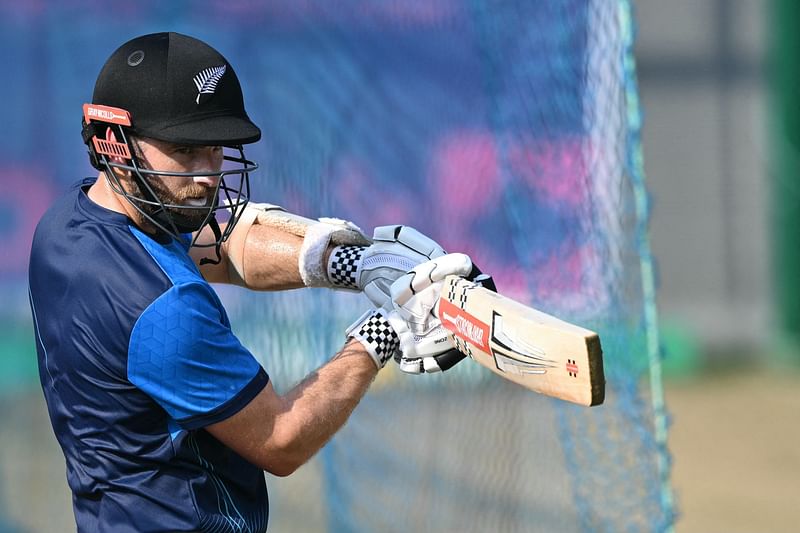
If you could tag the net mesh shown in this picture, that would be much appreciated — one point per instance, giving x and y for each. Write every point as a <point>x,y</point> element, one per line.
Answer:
<point>504,129</point>
<point>507,130</point>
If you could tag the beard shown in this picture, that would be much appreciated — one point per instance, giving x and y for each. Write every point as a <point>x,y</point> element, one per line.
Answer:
<point>173,208</point>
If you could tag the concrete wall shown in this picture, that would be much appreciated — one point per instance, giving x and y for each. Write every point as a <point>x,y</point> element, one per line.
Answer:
<point>703,90</point>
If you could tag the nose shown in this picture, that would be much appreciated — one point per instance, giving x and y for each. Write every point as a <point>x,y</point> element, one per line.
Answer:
<point>208,158</point>
<point>207,181</point>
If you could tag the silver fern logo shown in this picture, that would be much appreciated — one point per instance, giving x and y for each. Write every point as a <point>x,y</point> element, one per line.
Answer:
<point>206,82</point>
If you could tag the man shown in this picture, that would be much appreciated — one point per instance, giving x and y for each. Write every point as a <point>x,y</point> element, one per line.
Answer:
<point>166,421</point>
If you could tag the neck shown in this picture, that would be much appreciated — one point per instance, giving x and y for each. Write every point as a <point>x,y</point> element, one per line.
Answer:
<point>104,195</point>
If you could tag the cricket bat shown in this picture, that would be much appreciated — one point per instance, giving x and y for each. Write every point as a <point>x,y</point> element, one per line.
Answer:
<point>531,348</point>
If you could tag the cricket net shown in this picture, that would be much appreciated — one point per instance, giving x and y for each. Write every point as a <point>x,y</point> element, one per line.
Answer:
<point>509,131</point>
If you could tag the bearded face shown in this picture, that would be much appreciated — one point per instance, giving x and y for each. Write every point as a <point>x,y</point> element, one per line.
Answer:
<point>182,200</point>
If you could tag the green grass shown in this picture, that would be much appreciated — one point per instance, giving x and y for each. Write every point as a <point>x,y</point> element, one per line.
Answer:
<point>18,366</point>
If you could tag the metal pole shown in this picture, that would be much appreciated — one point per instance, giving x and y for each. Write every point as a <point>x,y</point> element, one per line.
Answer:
<point>785,165</point>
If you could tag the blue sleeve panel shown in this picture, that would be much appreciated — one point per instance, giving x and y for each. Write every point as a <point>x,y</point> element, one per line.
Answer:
<point>183,354</point>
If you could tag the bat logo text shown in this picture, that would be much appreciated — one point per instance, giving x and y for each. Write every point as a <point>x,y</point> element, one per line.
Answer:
<point>463,324</point>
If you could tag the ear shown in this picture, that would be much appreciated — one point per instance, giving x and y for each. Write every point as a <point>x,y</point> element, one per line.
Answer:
<point>111,137</point>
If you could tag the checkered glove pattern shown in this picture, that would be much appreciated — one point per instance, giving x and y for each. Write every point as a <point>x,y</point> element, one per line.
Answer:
<point>343,266</point>
<point>376,334</point>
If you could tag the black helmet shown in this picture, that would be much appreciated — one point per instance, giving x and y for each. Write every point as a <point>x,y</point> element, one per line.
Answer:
<point>173,88</point>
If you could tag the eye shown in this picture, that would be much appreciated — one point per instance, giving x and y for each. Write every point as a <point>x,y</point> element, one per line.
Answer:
<point>184,150</point>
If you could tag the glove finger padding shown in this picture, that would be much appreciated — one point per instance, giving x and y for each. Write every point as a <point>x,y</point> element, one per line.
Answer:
<point>432,352</point>
<point>414,300</point>
<point>445,361</point>
<point>415,296</point>
<point>432,364</point>
<point>409,238</point>
<point>412,362</point>
<point>426,274</point>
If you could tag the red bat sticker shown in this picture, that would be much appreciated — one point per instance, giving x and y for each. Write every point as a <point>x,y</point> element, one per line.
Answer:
<point>464,325</point>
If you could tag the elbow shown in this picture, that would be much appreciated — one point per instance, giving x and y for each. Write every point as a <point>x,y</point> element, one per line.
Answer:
<point>283,454</point>
<point>281,470</point>
<point>282,465</point>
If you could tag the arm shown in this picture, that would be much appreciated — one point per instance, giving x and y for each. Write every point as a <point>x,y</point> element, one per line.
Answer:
<point>272,249</point>
<point>273,254</point>
<point>281,433</point>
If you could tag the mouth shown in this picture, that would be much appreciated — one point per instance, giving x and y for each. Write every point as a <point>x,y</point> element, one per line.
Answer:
<point>196,202</point>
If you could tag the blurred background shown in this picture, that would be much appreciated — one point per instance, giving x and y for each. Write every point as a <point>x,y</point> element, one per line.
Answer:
<point>719,91</point>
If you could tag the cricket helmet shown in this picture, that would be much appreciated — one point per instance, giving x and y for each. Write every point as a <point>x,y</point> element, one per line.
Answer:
<point>178,89</point>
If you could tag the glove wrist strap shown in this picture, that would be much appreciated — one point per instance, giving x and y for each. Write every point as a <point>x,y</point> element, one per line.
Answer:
<point>344,264</point>
<point>377,336</point>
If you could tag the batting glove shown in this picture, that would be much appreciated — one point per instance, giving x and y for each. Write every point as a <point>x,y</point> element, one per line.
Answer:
<point>425,346</point>
<point>372,269</point>
<point>449,358</point>
<point>408,328</point>
<point>376,334</point>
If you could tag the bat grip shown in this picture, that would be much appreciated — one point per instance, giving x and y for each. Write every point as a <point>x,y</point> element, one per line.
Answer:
<point>485,280</point>
<point>448,359</point>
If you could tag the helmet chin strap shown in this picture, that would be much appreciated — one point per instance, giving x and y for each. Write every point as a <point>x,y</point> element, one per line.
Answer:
<point>214,225</point>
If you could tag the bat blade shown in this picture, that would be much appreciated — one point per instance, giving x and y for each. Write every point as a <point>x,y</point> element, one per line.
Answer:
<point>531,348</point>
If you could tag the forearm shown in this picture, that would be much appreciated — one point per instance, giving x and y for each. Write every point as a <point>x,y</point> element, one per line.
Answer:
<point>271,249</point>
<point>270,259</point>
<point>319,406</point>
<point>281,433</point>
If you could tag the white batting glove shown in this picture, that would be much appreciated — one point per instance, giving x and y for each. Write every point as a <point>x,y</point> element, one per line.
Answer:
<point>424,345</point>
<point>372,269</point>
<point>427,354</point>
<point>407,327</point>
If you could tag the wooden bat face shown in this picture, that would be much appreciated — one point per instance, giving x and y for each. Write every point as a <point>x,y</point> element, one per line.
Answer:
<point>536,350</point>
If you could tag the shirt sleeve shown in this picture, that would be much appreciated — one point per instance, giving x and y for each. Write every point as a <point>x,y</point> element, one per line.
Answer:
<point>183,354</point>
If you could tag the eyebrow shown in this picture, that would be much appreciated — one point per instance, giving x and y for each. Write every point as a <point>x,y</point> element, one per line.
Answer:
<point>195,146</point>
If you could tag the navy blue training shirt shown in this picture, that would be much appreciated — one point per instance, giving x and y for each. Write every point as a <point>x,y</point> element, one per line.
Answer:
<point>136,357</point>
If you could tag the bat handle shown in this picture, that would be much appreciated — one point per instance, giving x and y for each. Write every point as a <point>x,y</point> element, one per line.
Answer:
<point>448,359</point>
<point>485,280</point>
